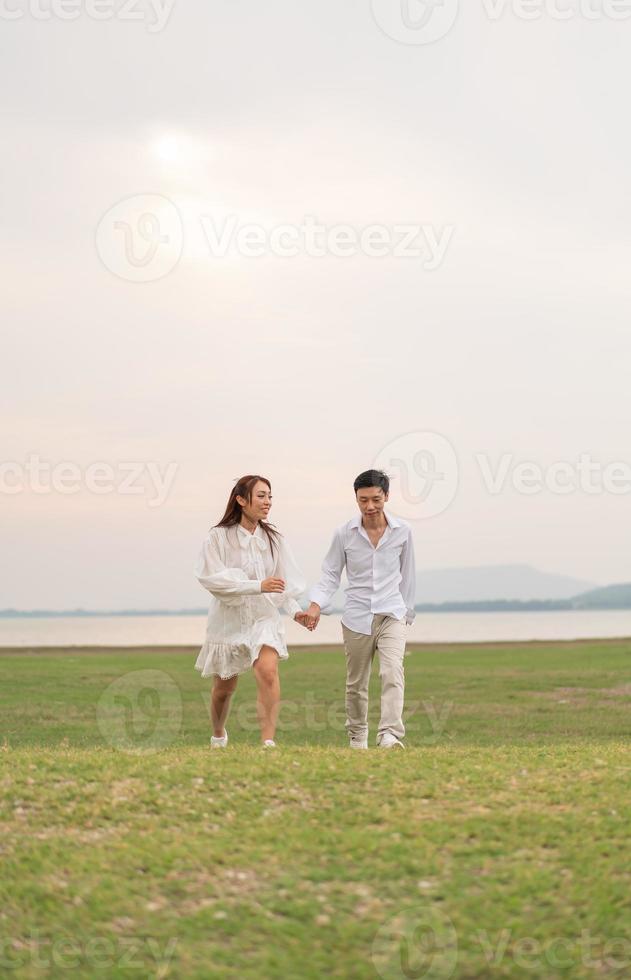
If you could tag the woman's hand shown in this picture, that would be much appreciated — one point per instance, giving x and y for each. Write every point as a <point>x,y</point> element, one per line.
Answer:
<point>272,585</point>
<point>305,620</point>
<point>313,615</point>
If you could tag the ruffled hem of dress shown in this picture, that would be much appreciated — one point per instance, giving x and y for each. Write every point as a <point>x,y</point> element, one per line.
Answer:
<point>228,660</point>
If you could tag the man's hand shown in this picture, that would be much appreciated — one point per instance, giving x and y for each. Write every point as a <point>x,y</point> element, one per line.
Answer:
<point>272,585</point>
<point>313,612</point>
<point>304,620</point>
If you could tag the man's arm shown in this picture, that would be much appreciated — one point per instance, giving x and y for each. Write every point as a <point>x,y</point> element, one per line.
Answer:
<point>408,578</point>
<point>332,567</point>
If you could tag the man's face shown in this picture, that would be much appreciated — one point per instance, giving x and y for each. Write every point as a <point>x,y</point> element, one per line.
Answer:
<point>371,501</point>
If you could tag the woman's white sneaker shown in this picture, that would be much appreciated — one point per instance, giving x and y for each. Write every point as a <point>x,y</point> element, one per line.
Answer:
<point>219,741</point>
<point>269,743</point>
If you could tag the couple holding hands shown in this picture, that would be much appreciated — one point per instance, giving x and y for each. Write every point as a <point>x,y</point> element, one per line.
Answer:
<point>251,574</point>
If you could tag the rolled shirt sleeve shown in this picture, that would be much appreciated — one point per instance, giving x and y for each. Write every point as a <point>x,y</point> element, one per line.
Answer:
<point>230,585</point>
<point>332,568</point>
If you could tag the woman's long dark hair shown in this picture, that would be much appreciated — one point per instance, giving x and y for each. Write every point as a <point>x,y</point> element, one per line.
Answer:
<point>232,515</point>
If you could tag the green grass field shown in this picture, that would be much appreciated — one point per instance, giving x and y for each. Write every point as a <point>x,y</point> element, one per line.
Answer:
<point>496,845</point>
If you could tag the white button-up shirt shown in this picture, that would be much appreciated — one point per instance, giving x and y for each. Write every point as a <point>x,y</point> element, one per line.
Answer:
<point>380,580</point>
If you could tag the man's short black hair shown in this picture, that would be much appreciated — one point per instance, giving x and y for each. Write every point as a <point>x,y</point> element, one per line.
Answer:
<point>372,478</point>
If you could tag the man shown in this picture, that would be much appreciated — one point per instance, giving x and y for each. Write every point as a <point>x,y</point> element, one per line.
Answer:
<point>378,553</point>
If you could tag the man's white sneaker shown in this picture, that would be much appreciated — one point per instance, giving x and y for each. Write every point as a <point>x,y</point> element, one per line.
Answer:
<point>359,743</point>
<point>269,743</point>
<point>390,741</point>
<point>219,741</point>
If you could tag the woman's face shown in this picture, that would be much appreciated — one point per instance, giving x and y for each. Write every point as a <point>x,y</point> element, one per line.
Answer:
<point>259,506</point>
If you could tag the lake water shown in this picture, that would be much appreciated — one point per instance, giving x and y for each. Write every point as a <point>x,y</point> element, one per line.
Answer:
<point>428,628</point>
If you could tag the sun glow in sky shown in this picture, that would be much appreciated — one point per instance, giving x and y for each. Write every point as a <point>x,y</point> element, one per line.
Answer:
<point>173,149</point>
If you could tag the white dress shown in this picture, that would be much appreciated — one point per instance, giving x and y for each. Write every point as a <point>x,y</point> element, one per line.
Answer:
<point>241,619</point>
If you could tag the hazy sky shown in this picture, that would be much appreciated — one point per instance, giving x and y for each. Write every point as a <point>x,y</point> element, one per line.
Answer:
<point>506,140</point>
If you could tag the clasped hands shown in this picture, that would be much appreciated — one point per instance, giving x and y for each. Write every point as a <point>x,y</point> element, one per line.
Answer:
<point>309,618</point>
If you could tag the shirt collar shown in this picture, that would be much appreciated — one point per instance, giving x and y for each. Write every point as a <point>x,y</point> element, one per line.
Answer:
<point>246,537</point>
<point>356,521</point>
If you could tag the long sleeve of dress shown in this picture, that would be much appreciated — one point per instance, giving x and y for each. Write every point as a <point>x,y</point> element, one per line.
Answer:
<point>295,583</point>
<point>230,585</point>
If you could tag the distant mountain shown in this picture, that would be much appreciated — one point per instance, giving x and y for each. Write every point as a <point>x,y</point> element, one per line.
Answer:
<point>494,582</point>
<point>609,597</point>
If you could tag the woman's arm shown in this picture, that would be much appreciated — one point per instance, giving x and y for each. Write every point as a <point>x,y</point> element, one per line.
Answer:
<point>230,585</point>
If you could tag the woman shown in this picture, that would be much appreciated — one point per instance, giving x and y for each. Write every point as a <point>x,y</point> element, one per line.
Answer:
<point>251,574</point>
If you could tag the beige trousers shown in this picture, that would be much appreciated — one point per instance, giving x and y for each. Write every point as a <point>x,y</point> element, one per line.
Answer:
<point>388,639</point>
